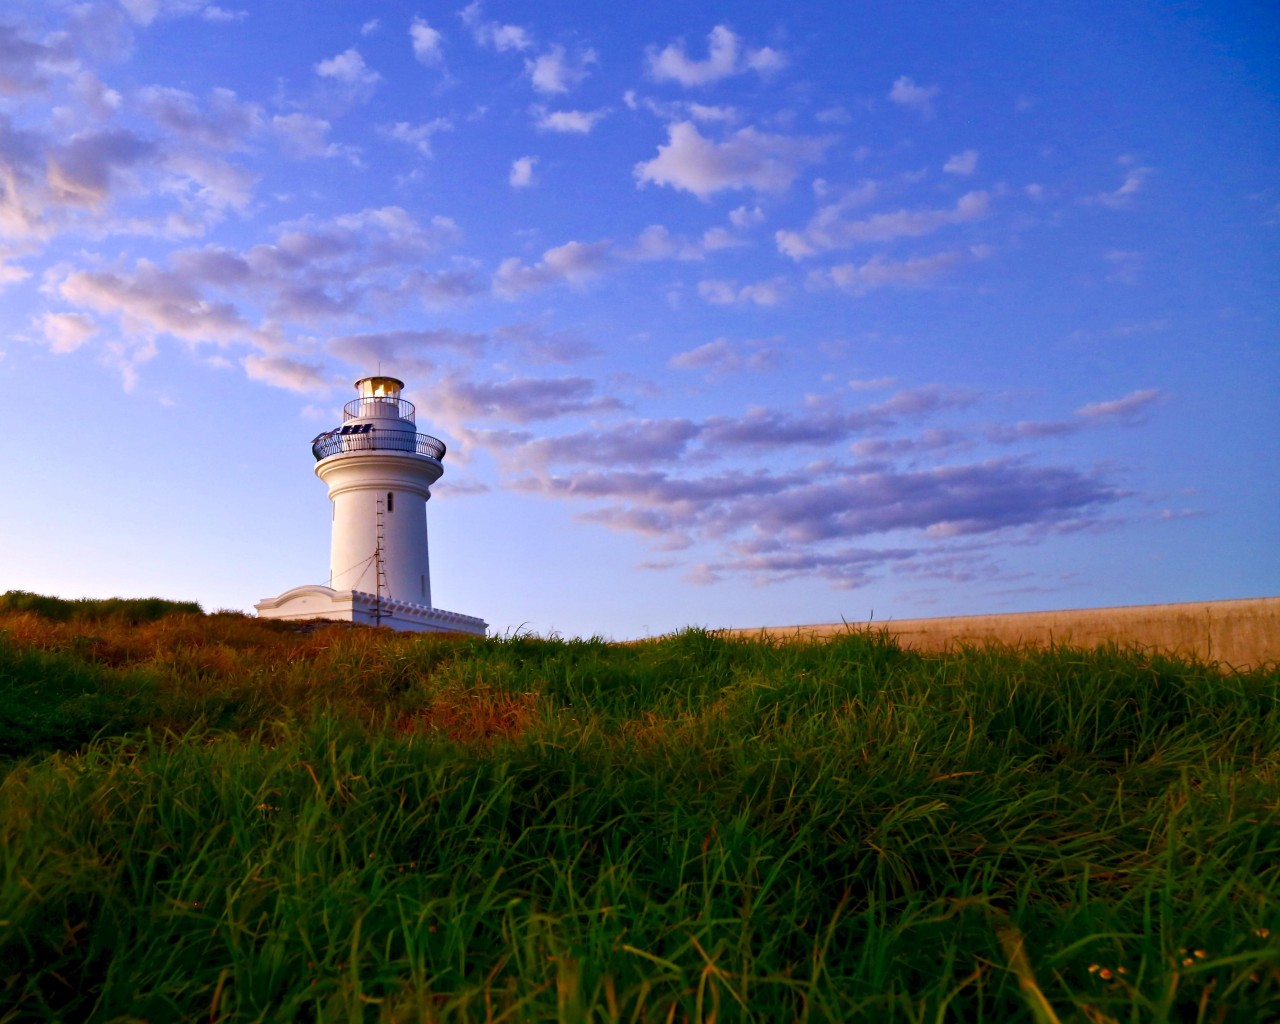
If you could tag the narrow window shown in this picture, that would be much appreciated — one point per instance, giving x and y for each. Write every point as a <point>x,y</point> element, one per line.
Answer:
<point>391,502</point>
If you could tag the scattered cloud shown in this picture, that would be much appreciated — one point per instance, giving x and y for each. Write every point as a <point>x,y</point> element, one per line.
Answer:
<point>554,72</point>
<point>428,43</point>
<point>728,293</point>
<point>407,352</point>
<point>1122,197</point>
<point>521,174</point>
<point>215,13</point>
<point>873,383</point>
<point>775,523</point>
<point>882,272</point>
<point>657,242</point>
<point>830,230</point>
<point>313,271</point>
<point>748,159</point>
<point>303,135</point>
<point>1124,411</point>
<point>906,93</point>
<point>1121,408</point>
<point>634,443</point>
<point>66,332</point>
<point>82,171</point>
<point>573,263</point>
<point>348,67</point>
<point>419,135</point>
<point>293,374</point>
<point>492,34</point>
<point>726,56</point>
<point>567,121</point>
<point>225,123</point>
<point>1126,265</point>
<point>516,400</point>
<point>24,63</point>
<point>962,163</point>
<point>720,357</point>
<point>151,300</point>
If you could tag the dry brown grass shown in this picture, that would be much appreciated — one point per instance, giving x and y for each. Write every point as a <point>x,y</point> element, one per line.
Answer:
<point>1240,634</point>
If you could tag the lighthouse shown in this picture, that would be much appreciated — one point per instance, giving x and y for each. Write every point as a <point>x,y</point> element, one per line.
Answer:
<point>379,471</point>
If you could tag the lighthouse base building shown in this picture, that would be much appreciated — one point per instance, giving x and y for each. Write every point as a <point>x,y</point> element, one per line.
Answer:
<point>318,602</point>
<point>379,471</point>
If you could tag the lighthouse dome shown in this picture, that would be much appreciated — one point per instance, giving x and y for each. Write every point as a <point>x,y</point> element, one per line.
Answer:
<point>380,400</point>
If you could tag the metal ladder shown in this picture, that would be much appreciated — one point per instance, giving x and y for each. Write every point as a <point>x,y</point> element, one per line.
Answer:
<point>380,567</point>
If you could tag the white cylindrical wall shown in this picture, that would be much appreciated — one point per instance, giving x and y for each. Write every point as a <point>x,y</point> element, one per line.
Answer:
<point>357,482</point>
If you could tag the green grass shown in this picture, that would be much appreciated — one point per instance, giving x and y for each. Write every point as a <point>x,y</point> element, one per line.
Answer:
<point>213,818</point>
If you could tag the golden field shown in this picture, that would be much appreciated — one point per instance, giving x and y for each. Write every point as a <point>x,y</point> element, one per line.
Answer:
<point>1238,634</point>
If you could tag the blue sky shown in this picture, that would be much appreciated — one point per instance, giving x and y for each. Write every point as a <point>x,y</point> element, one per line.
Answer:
<point>730,315</point>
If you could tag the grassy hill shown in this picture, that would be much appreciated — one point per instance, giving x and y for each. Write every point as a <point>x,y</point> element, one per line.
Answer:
<point>211,817</point>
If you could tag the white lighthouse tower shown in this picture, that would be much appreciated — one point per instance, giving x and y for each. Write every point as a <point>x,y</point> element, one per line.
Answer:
<point>379,471</point>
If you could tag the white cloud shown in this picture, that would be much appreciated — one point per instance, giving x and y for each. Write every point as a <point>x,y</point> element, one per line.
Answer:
<point>727,293</point>
<point>1126,265</point>
<point>828,230</point>
<point>66,332</point>
<point>873,383</point>
<point>1121,197</point>
<point>746,217</point>
<point>207,187</point>
<point>906,93</point>
<point>226,123</point>
<point>573,263</point>
<point>490,33</point>
<point>721,356</point>
<point>1121,408</point>
<point>717,238</point>
<point>656,242</point>
<point>704,112</point>
<point>82,171</point>
<point>962,163</point>
<point>553,72</point>
<point>569,121</point>
<point>152,300</point>
<point>215,13</point>
<point>144,12</point>
<point>881,272</point>
<point>747,159</point>
<point>312,272</point>
<point>725,57</point>
<point>302,134</point>
<point>834,115</point>
<point>292,374</point>
<point>521,175</point>
<point>419,135</point>
<point>348,67</point>
<point>427,42</point>
<point>371,26</point>
<point>9,274</point>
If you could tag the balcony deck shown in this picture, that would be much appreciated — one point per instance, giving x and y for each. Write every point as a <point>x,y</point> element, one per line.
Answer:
<point>352,438</point>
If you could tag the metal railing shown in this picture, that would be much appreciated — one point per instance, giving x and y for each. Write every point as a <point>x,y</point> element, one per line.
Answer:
<point>379,408</point>
<point>335,442</point>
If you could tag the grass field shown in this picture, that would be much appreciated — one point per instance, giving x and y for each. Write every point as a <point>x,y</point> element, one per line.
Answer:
<point>208,817</point>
